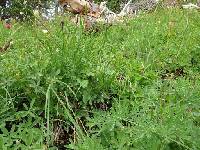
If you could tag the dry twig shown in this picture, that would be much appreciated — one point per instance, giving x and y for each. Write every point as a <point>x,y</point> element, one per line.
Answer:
<point>6,46</point>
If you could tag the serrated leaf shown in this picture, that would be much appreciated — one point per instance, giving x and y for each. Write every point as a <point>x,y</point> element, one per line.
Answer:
<point>83,83</point>
<point>29,139</point>
<point>4,130</point>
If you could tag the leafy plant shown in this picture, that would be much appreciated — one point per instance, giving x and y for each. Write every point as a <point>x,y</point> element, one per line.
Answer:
<point>133,85</point>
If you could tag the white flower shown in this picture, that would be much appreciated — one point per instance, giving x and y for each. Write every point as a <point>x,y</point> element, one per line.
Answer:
<point>45,31</point>
<point>57,50</point>
<point>24,2</point>
<point>36,13</point>
<point>21,13</point>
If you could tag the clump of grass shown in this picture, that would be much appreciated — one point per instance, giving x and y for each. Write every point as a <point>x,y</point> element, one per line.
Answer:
<point>130,86</point>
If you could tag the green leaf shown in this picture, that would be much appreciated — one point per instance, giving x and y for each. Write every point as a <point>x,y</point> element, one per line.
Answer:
<point>83,83</point>
<point>29,138</point>
<point>86,96</point>
<point>4,130</point>
<point>1,143</point>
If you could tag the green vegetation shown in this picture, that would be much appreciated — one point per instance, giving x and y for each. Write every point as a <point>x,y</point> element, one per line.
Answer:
<point>21,9</point>
<point>129,86</point>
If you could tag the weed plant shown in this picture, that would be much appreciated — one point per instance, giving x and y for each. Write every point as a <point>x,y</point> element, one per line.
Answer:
<point>130,86</point>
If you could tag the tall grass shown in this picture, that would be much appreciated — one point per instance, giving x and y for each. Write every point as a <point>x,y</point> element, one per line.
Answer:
<point>130,86</point>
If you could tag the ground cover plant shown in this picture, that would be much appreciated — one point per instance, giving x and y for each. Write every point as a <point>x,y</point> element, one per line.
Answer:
<point>130,86</point>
